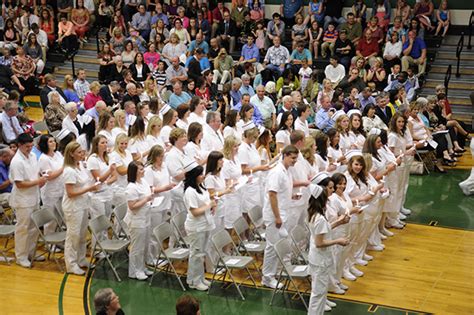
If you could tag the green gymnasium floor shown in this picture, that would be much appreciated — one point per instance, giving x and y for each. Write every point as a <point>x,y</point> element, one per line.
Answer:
<point>436,200</point>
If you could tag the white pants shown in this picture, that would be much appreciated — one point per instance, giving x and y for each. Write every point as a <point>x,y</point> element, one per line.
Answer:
<point>233,209</point>
<point>26,234</point>
<point>349,251</point>
<point>197,253</point>
<point>139,239</point>
<point>467,186</point>
<point>39,66</point>
<point>97,208</point>
<point>319,289</point>
<point>76,243</point>
<point>270,258</point>
<point>156,218</point>
<point>224,76</point>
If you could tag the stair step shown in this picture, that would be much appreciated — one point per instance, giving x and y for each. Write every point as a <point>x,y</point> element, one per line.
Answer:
<point>87,53</point>
<point>468,70</point>
<point>452,56</point>
<point>89,66</point>
<point>446,62</point>
<point>458,93</point>
<point>86,60</point>
<point>461,101</point>
<point>440,76</point>
<point>64,71</point>
<point>452,85</point>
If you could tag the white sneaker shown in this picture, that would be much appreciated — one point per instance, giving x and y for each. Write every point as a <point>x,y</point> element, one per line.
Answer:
<point>397,226</point>
<point>331,303</point>
<point>206,282</point>
<point>327,308</point>
<point>77,271</point>
<point>24,263</point>
<point>401,216</point>
<point>148,272</point>
<point>382,237</point>
<point>368,257</point>
<point>405,211</point>
<point>362,262</point>
<point>85,264</point>
<point>199,287</point>
<point>348,275</point>
<point>39,258</point>
<point>386,232</point>
<point>377,248</point>
<point>140,276</point>
<point>343,286</point>
<point>272,284</point>
<point>337,290</point>
<point>356,272</point>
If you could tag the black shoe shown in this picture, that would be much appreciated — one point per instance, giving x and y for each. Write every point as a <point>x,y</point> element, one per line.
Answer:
<point>459,150</point>
<point>448,161</point>
<point>437,169</point>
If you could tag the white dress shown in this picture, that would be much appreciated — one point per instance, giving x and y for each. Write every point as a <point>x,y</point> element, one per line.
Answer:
<point>251,196</point>
<point>121,183</point>
<point>231,170</point>
<point>232,131</point>
<point>283,136</point>
<point>53,190</point>
<point>139,146</point>
<point>334,154</point>
<point>105,194</point>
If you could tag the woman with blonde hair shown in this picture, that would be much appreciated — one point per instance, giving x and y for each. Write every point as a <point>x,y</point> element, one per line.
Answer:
<point>120,125</point>
<point>153,132</point>
<point>327,90</point>
<point>309,151</point>
<point>69,90</point>
<point>173,49</point>
<point>121,157</point>
<point>106,125</point>
<point>150,90</point>
<point>342,126</point>
<point>54,112</point>
<point>138,144</point>
<point>223,66</point>
<point>75,206</point>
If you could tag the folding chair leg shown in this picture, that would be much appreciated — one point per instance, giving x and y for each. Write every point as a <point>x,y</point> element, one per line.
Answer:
<point>177,276</point>
<point>236,285</point>
<point>213,276</point>
<point>251,277</point>
<point>154,271</point>
<point>113,267</point>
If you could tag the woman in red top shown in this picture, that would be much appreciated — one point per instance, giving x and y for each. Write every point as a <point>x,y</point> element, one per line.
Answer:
<point>203,91</point>
<point>93,96</point>
<point>47,25</point>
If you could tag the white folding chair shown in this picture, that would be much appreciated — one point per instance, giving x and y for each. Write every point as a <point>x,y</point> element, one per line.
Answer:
<point>256,217</point>
<point>100,226</point>
<point>51,240</point>
<point>120,227</point>
<point>7,231</point>
<point>289,272</point>
<point>163,232</point>
<point>300,239</point>
<point>41,126</point>
<point>178,223</point>
<point>228,262</point>
<point>250,246</point>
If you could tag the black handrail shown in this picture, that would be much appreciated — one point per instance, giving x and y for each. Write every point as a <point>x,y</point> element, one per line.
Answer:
<point>471,25</point>
<point>447,78</point>
<point>459,49</point>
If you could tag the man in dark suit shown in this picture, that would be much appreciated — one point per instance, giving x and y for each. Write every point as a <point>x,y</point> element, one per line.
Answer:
<point>227,32</point>
<point>131,94</point>
<point>382,110</point>
<point>109,93</point>
<point>194,67</point>
<point>50,86</point>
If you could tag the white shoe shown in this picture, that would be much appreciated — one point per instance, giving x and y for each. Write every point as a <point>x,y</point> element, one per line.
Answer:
<point>386,232</point>
<point>397,226</point>
<point>272,284</point>
<point>40,258</point>
<point>100,255</point>
<point>24,263</point>
<point>343,286</point>
<point>356,272</point>
<point>140,276</point>
<point>382,237</point>
<point>206,282</point>
<point>348,275</point>
<point>401,216</point>
<point>199,287</point>
<point>377,248</point>
<point>85,264</point>
<point>77,271</point>
<point>362,262</point>
<point>337,290</point>
<point>405,211</point>
<point>148,272</point>
<point>331,303</point>
<point>327,308</point>
<point>368,257</point>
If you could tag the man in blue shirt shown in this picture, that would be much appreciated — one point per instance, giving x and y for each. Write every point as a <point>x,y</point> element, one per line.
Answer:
<point>159,15</point>
<point>178,97</point>
<point>289,9</point>
<point>324,119</point>
<point>365,97</point>
<point>299,54</point>
<point>246,87</point>
<point>250,53</point>
<point>198,43</point>
<point>257,116</point>
<point>6,155</point>
<point>414,52</point>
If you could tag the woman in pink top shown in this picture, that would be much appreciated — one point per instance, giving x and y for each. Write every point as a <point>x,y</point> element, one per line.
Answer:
<point>67,37</point>
<point>80,19</point>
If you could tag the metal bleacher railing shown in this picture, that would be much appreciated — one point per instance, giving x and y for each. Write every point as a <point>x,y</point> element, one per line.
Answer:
<point>447,78</point>
<point>459,49</point>
<point>471,26</point>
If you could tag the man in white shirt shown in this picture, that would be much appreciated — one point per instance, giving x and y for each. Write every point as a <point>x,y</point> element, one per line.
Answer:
<point>334,71</point>
<point>277,57</point>
<point>24,173</point>
<point>212,138</point>
<point>301,123</point>
<point>288,103</point>
<point>265,106</point>
<point>277,202</point>
<point>10,125</point>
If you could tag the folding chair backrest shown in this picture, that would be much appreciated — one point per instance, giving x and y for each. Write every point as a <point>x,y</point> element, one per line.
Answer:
<point>240,225</point>
<point>178,220</point>
<point>42,216</point>
<point>299,234</point>
<point>283,248</point>
<point>120,211</point>
<point>99,224</point>
<point>221,239</point>
<point>7,217</point>
<point>40,126</point>
<point>255,215</point>
<point>162,232</point>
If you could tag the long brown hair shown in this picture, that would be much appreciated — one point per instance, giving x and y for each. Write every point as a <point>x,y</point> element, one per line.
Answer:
<point>95,148</point>
<point>362,176</point>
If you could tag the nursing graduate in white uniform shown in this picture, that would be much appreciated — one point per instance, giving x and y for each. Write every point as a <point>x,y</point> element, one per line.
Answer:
<point>276,206</point>
<point>231,172</point>
<point>139,198</point>
<point>121,157</point>
<point>263,147</point>
<point>51,165</point>
<point>120,125</point>
<point>170,116</point>
<point>198,225</point>
<point>300,175</point>
<point>106,125</point>
<point>197,106</point>
<point>358,190</point>
<point>138,145</point>
<point>193,148</point>
<point>24,198</point>
<point>320,251</point>
<point>301,123</point>
<point>282,137</point>
<point>342,126</point>
<point>231,129</point>
<point>408,160</point>
<point>335,152</point>
<point>75,204</point>
<point>322,159</point>
<point>153,129</point>
<point>175,160</point>
<point>251,166</point>
<point>356,133</point>
<point>158,177</point>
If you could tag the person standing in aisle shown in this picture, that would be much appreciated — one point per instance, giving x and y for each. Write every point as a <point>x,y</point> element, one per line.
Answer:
<point>277,202</point>
<point>24,198</point>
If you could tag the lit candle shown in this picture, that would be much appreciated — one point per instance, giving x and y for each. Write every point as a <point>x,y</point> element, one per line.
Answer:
<point>251,172</point>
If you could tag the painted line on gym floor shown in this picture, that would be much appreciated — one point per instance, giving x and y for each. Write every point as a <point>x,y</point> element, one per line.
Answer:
<point>86,292</point>
<point>439,226</point>
<point>373,308</point>
<point>61,294</point>
<point>433,223</point>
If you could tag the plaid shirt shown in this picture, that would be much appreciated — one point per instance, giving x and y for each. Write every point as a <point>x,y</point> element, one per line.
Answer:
<point>82,88</point>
